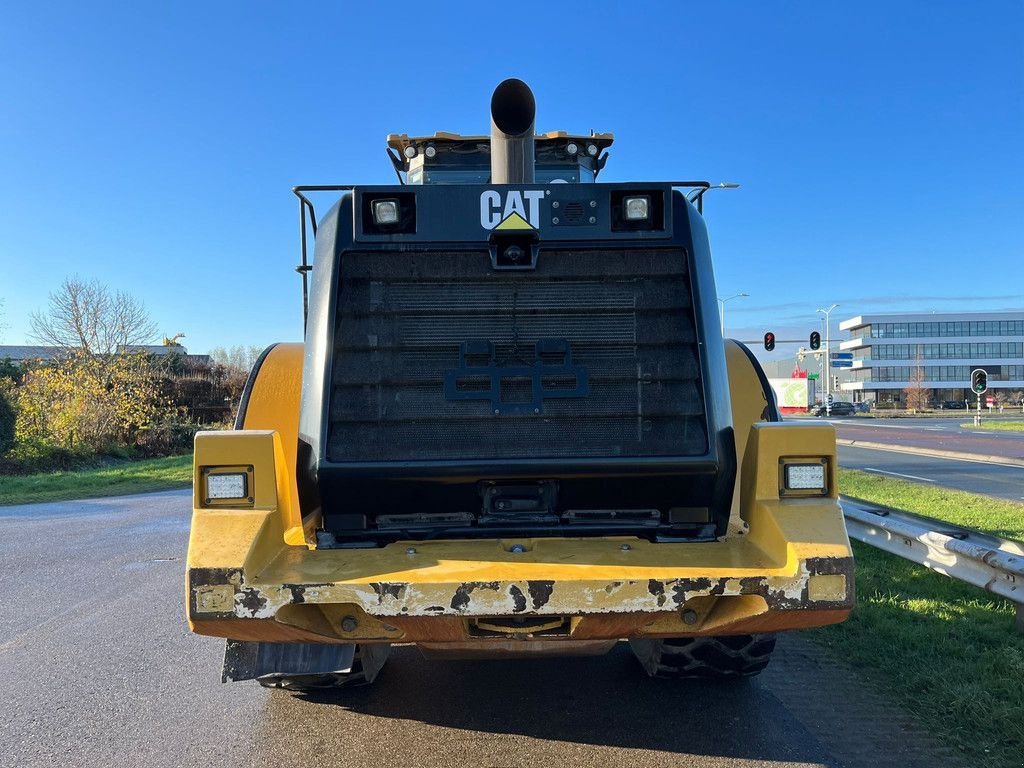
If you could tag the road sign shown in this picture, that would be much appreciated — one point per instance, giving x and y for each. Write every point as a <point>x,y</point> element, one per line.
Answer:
<point>842,363</point>
<point>830,398</point>
<point>842,356</point>
<point>812,376</point>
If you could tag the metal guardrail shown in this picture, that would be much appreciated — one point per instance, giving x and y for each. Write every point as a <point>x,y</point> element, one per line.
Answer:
<point>989,562</point>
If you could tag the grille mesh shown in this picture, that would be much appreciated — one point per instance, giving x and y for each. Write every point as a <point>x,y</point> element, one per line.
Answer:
<point>403,318</point>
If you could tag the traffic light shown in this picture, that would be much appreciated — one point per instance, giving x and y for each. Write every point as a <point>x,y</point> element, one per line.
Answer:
<point>769,341</point>
<point>979,380</point>
<point>835,383</point>
<point>815,340</point>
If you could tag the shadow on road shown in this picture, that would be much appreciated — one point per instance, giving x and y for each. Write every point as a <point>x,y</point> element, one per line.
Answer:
<point>605,701</point>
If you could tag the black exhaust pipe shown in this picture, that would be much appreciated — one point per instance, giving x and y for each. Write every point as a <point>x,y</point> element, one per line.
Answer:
<point>513,110</point>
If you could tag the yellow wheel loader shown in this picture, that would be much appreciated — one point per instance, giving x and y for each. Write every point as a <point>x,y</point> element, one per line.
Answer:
<point>513,430</point>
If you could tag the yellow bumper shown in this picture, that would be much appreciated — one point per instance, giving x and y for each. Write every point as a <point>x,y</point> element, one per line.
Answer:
<point>253,573</point>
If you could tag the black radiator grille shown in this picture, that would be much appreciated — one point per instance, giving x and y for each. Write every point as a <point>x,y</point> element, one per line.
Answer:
<point>630,386</point>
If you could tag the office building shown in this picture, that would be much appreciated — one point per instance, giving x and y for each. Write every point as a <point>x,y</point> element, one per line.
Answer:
<point>888,349</point>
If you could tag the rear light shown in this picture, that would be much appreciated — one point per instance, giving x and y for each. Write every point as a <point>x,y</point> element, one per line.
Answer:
<point>386,212</point>
<point>803,477</point>
<point>636,208</point>
<point>227,486</point>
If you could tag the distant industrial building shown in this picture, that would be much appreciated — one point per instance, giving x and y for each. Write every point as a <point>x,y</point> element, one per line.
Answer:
<point>889,348</point>
<point>23,353</point>
<point>27,353</point>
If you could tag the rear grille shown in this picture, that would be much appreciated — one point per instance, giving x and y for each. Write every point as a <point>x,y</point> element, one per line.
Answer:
<point>439,357</point>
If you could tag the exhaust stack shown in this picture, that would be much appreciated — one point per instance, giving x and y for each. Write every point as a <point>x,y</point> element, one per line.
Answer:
<point>513,110</point>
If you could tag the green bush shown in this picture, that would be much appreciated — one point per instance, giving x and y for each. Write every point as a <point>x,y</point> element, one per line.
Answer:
<point>27,458</point>
<point>91,403</point>
<point>84,410</point>
<point>11,370</point>
<point>8,419</point>
<point>167,437</point>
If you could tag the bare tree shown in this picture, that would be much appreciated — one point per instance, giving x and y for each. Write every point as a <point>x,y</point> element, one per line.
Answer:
<point>87,316</point>
<point>238,358</point>
<point>917,395</point>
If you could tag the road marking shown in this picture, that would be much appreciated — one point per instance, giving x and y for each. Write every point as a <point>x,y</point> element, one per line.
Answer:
<point>898,474</point>
<point>897,449</point>
<point>878,426</point>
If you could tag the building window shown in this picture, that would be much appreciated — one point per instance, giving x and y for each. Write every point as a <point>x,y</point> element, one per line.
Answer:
<point>936,329</point>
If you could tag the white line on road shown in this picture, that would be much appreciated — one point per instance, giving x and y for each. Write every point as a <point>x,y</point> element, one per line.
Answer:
<point>903,449</point>
<point>898,474</point>
<point>860,423</point>
<point>880,426</point>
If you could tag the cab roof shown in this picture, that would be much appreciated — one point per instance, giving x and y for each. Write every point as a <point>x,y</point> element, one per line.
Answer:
<point>399,141</point>
<point>547,144</point>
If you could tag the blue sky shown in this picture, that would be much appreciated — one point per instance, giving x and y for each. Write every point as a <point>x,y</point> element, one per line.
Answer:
<point>153,146</point>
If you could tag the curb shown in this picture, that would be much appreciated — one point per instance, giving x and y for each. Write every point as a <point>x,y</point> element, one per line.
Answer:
<point>936,452</point>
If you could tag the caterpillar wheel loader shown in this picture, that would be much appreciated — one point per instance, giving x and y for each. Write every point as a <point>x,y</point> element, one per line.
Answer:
<point>513,430</point>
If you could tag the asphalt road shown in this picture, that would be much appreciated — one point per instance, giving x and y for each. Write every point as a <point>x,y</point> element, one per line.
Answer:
<point>97,669</point>
<point>938,433</point>
<point>1001,480</point>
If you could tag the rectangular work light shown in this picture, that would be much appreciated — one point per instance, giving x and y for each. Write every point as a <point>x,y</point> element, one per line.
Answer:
<point>804,477</point>
<point>227,486</point>
<point>636,207</point>
<point>385,212</point>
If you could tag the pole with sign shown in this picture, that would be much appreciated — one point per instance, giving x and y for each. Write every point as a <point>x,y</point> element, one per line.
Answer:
<point>828,351</point>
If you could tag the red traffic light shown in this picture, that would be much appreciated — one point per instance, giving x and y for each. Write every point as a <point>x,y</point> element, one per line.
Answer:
<point>769,341</point>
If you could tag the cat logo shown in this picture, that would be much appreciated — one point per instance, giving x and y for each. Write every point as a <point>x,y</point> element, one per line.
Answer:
<point>519,209</point>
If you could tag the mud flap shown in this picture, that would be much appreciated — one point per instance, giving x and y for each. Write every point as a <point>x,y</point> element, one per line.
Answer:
<point>245,660</point>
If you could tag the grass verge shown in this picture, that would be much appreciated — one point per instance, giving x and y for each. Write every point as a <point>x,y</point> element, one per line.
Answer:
<point>998,517</point>
<point>997,426</point>
<point>948,651</point>
<point>119,479</point>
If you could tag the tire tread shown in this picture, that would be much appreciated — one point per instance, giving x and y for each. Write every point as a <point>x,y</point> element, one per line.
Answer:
<point>713,658</point>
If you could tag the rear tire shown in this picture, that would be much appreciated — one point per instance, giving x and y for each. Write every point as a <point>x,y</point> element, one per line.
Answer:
<point>705,658</point>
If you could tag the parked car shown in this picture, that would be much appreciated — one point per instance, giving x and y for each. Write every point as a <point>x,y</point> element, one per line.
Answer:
<point>953,405</point>
<point>839,408</point>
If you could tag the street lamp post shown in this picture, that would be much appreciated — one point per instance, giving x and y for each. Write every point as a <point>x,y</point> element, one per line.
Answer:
<point>828,357</point>
<point>721,302</point>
